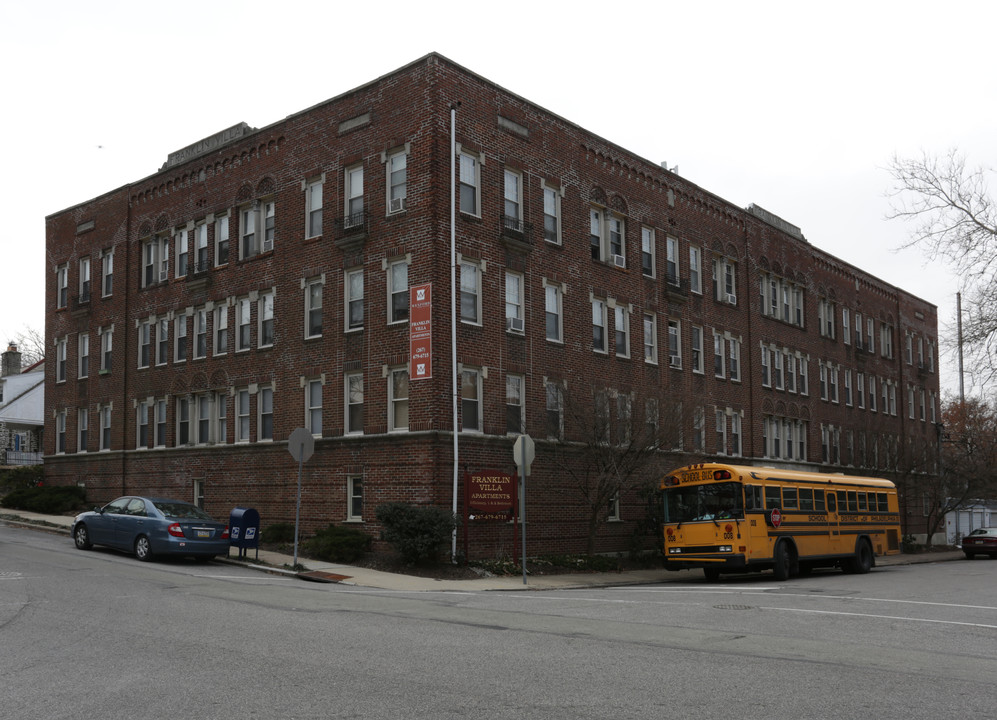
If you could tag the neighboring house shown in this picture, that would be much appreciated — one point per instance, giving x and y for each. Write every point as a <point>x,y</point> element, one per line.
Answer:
<point>959,523</point>
<point>262,281</point>
<point>22,410</point>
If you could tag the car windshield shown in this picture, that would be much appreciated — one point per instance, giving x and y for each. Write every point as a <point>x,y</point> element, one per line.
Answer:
<point>182,511</point>
<point>984,531</point>
<point>717,501</point>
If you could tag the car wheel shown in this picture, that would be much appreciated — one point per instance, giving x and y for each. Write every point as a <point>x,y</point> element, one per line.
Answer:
<point>781,567</point>
<point>81,536</point>
<point>143,551</point>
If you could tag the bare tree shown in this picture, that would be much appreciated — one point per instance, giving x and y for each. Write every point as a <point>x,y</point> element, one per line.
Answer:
<point>609,447</point>
<point>954,219</point>
<point>31,344</point>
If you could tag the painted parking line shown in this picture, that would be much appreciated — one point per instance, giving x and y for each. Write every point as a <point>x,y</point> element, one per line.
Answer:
<point>882,617</point>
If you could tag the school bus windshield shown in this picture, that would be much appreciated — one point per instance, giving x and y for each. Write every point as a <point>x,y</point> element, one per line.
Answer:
<point>715,501</point>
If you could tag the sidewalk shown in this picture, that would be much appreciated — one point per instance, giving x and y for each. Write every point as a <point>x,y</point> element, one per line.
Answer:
<point>318,571</point>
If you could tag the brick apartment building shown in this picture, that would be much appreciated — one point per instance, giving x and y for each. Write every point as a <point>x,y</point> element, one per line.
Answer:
<point>260,281</point>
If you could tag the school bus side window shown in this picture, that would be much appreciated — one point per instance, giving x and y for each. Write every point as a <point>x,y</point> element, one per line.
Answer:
<point>884,503</point>
<point>772,498</point>
<point>806,499</point>
<point>819,501</point>
<point>863,507</point>
<point>853,501</point>
<point>753,497</point>
<point>789,498</point>
<point>842,501</point>
<point>832,505</point>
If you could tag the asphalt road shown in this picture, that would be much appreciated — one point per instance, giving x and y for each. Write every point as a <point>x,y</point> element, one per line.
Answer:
<point>99,634</point>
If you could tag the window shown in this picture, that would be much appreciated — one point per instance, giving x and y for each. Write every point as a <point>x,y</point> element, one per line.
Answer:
<point>265,314</point>
<point>893,399</point>
<point>155,260</point>
<point>162,341</point>
<point>598,325</point>
<point>555,411</point>
<point>789,361</point>
<point>699,429</point>
<point>672,260</point>
<point>695,269</point>
<point>858,332</point>
<point>60,431</point>
<point>183,421</point>
<point>674,344</point>
<point>161,423</point>
<point>617,248</point>
<point>221,240</point>
<point>82,429</point>
<point>650,338</point>
<point>470,293</point>
<point>469,184</point>
<point>220,322</point>
<point>104,412</point>
<point>552,216</point>
<point>60,360</point>
<point>647,251</point>
<point>313,307</point>
<point>313,407</point>
<point>515,418</point>
<point>242,416</point>
<point>848,387</point>
<point>613,507</point>
<point>719,366</point>
<point>832,382</point>
<point>725,280</point>
<point>552,311</point>
<point>595,233</point>
<point>872,393</point>
<point>846,330</point>
<point>200,247</point>
<point>180,339</point>
<point>265,427</point>
<point>313,209</point>
<point>83,355</point>
<point>398,400</point>
<point>142,425</point>
<point>513,302</point>
<point>106,343</point>
<point>470,400</point>
<point>354,489</point>
<point>200,333</point>
<point>144,343</point>
<point>84,280</point>
<point>62,286</point>
<point>354,299</point>
<point>697,349</point>
<point>182,240</point>
<point>734,359</point>
<point>397,171</point>
<point>603,428</point>
<point>398,290</point>
<point>823,380</point>
<point>884,387</point>
<point>107,270</point>
<point>860,389</point>
<point>354,197</point>
<point>778,374</point>
<point>512,218</point>
<point>621,324</point>
<point>766,369</point>
<point>869,337</point>
<point>826,312</point>
<point>257,229</point>
<point>354,403</point>
<point>721,428</point>
<point>804,376</point>
<point>735,434</point>
<point>624,419</point>
<point>243,320</point>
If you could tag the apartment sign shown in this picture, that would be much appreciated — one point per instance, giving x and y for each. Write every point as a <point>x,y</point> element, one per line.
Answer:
<point>491,495</point>
<point>420,332</point>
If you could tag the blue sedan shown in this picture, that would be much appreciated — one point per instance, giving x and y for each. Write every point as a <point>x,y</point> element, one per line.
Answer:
<point>152,526</point>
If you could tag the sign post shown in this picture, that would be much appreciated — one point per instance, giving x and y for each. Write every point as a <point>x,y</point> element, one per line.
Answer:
<point>523,452</point>
<point>301,445</point>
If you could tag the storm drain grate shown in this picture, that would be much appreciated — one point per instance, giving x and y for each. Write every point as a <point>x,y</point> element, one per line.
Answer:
<point>733,607</point>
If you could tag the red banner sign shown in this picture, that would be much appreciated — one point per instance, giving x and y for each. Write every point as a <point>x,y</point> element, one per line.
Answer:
<point>491,495</point>
<point>420,332</point>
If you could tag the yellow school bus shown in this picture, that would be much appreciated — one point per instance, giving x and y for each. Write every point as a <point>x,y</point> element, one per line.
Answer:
<point>733,519</point>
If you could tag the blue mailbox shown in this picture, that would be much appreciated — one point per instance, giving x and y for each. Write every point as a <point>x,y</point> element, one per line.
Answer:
<point>244,530</point>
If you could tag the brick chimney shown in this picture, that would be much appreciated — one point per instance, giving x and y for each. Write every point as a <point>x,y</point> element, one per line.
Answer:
<point>11,361</point>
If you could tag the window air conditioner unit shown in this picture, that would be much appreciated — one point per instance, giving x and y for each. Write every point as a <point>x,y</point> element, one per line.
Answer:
<point>162,276</point>
<point>731,299</point>
<point>619,261</point>
<point>674,361</point>
<point>397,204</point>
<point>514,324</point>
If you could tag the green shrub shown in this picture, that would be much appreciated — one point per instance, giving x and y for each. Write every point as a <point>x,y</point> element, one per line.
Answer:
<point>416,532</point>
<point>26,476</point>
<point>337,544</point>
<point>47,500</point>
<point>282,532</point>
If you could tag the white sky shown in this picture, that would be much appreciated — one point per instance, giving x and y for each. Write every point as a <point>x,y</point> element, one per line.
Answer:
<point>794,106</point>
